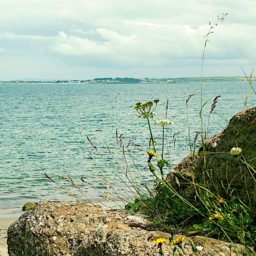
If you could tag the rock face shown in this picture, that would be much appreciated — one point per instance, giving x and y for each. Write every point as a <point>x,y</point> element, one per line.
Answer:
<point>223,171</point>
<point>61,228</point>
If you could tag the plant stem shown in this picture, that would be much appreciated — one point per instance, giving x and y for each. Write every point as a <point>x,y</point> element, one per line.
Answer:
<point>151,135</point>
<point>163,144</point>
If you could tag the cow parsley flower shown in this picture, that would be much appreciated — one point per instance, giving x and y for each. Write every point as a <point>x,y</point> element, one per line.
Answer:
<point>163,122</point>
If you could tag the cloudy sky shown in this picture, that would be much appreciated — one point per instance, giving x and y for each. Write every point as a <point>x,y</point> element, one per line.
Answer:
<point>83,39</point>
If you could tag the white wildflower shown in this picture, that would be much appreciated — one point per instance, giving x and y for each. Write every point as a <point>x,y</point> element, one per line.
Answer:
<point>235,151</point>
<point>214,145</point>
<point>163,122</point>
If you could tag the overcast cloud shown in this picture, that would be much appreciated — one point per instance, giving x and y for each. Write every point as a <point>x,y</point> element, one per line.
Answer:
<point>81,39</point>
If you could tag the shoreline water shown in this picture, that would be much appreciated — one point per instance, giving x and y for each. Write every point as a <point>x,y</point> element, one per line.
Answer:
<point>45,126</point>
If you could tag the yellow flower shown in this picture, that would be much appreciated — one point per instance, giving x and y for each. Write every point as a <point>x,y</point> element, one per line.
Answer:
<point>220,200</point>
<point>151,153</point>
<point>216,216</point>
<point>159,241</point>
<point>178,240</point>
<point>235,151</point>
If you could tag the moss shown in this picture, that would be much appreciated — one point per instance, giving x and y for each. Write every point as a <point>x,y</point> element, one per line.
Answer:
<point>29,206</point>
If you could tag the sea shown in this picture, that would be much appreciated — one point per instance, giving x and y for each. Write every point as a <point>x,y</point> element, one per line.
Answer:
<point>82,141</point>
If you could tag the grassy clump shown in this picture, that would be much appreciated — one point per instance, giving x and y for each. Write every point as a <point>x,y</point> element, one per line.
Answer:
<point>213,193</point>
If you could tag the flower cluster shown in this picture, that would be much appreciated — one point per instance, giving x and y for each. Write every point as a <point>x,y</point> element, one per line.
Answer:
<point>163,122</point>
<point>146,109</point>
<point>235,151</point>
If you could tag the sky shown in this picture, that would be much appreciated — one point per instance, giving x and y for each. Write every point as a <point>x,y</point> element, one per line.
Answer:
<point>85,39</point>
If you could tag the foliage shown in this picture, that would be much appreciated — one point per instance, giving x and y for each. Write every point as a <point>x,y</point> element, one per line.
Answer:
<point>217,198</point>
<point>211,204</point>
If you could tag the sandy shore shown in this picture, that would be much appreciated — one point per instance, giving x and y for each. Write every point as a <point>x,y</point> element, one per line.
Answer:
<point>4,224</point>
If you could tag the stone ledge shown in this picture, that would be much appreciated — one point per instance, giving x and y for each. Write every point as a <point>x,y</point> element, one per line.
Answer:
<point>64,228</point>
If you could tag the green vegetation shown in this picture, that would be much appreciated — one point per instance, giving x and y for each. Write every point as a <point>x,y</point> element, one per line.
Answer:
<point>29,206</point>
<point>213,191</point>
<point>214,195</point>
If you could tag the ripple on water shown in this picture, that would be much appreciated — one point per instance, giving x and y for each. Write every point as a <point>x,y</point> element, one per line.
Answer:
<point>44,129</point>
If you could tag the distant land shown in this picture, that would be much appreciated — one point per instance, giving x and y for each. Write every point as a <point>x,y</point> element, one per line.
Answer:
<point>129,80</point>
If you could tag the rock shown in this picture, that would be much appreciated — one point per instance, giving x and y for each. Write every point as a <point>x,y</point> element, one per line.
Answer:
<point>226,174</point>
<point>62,228</point>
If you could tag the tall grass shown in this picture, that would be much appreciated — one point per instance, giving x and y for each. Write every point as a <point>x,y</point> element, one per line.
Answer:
<point>197,201</point>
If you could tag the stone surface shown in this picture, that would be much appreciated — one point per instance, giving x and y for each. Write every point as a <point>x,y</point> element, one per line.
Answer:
<point>62,228</point>
<point>222,171</point>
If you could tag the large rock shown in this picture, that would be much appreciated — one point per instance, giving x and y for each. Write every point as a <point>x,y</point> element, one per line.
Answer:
<point>61,228</point>
<point>222,172</point>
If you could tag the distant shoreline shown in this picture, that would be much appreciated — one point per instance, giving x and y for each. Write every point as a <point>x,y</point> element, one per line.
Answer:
<point>130,80</point>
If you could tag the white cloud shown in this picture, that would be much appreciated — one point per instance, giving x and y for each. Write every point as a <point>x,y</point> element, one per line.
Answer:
<point>25,37</point>
<point>76,46</point>
<point>128,35</point>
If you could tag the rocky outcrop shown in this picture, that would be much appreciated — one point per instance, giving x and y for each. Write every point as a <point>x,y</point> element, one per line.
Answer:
<point>61,228</point>
<point>225,173</point>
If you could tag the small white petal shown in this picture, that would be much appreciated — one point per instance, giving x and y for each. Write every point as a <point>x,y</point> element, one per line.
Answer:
<point>199,248</point>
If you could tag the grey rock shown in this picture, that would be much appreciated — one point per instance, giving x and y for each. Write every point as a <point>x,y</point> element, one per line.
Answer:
<point>62,228</point>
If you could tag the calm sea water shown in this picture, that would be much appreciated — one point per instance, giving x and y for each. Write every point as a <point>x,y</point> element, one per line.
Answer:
<point>44,129</point>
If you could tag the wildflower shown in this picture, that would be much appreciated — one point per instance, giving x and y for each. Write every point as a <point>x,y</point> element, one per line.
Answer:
<point>160,241</point>
<point>214,144</point>
<point>163,122</point>
<point>151,153</point>
<point>220,200</point>
<point>216,216</point>
<point>235,151</point>
<point>146,109</point>
<point>178,241</point>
